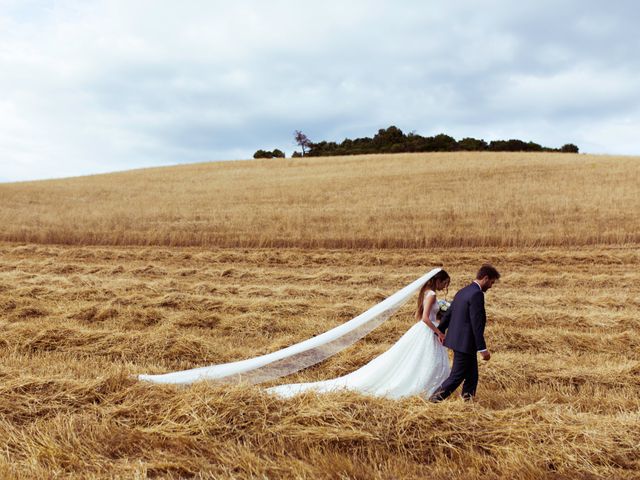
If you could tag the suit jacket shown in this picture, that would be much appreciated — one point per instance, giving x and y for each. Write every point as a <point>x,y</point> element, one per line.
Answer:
<point>465,319</point>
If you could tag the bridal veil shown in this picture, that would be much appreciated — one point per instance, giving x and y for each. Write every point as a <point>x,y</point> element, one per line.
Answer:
<point>300,355</point>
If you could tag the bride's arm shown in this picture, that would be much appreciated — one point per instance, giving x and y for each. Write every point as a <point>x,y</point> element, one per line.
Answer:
<point>426,308</point>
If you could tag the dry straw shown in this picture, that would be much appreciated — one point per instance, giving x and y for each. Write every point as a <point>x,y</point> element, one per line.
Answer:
<point>559,399</point>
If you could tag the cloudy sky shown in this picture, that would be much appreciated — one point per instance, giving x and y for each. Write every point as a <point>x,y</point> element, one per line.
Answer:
<point>96,86</point>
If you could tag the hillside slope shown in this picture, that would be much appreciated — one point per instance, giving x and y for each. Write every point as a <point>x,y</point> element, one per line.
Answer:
<point>405,200</point>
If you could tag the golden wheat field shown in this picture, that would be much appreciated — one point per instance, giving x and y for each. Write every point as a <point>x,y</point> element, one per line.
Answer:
<point>408,200</point>
<point>149,271</point>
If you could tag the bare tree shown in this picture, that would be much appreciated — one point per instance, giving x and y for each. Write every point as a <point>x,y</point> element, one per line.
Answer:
<point>302,140</point>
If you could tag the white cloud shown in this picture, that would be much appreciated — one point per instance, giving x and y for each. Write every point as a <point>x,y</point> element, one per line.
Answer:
<point>107,85</point>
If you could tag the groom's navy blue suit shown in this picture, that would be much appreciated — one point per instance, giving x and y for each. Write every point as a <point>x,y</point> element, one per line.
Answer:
<point>465,320</point>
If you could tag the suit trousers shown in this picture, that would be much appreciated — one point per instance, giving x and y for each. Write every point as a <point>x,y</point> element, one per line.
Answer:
<point>464,369</point>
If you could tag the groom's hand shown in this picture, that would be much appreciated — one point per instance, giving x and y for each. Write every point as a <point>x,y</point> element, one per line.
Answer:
<point>440,336</point>
<point>485,355</point>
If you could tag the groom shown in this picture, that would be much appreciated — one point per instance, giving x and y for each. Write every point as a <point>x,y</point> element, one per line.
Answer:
<point>465,320</point>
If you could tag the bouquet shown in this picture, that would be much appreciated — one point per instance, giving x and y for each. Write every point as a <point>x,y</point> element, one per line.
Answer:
<point>443,306</point>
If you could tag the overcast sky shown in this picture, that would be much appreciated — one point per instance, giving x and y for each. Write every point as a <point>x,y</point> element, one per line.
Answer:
<point>97,86</point>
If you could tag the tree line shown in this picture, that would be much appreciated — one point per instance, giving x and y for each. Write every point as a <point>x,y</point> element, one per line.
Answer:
<point>393,140</point>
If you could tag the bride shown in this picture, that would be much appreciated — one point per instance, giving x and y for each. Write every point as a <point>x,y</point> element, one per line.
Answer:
<point>415,365</point>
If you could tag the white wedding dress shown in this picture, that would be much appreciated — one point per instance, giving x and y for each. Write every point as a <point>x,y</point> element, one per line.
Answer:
<point>416,364</point>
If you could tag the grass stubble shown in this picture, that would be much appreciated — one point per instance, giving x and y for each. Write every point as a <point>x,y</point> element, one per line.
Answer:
<point>559,399</point>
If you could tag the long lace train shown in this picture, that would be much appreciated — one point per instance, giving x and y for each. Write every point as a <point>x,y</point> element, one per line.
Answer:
<point>301,355</point>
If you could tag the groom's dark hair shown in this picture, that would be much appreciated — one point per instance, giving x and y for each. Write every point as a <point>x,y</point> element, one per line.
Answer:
<point>488,270</point>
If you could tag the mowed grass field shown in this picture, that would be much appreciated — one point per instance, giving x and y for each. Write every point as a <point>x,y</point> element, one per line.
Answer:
<point>80,315</point>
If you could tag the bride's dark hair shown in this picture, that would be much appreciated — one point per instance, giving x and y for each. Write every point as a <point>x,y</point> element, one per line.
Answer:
<point>430,284</point>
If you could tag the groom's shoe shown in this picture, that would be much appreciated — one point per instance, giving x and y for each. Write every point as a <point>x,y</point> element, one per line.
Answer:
<point>436,397</point>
